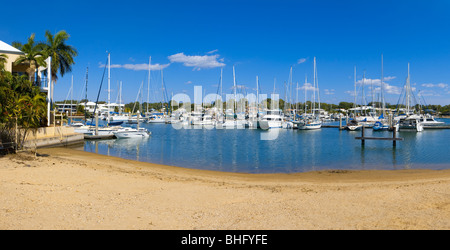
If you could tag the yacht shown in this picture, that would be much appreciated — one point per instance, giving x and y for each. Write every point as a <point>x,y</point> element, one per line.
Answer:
<point>204,120</point>
<point>409,123</point>
<point>428,120</point>
<point>120,117</point>
<point>156,118</point>
<point>272,119</point>
<point>309,124</point>
<point>131,133</point>
<point>353,125</point>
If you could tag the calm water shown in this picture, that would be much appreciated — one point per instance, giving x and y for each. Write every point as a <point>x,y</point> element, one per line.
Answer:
<point>236,150</point>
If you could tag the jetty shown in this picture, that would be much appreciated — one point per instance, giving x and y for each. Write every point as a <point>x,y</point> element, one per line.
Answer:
<point>394,138</point>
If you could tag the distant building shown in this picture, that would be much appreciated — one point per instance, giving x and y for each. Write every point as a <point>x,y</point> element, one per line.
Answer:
<point>101,108</point>
<point>66,108</point>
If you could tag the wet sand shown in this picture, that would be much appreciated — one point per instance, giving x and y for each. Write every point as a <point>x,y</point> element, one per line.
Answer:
<point>69,189</point>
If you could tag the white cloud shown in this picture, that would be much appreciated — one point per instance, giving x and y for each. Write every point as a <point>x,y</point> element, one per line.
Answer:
<point>329,91</point>
<point>389,89</point>
<point>137,67</point>
<point>442,85</point>
<point>307,86</point>
<point>212,51</point>
<point>301,60</point>
<point>188,82</point>
<point>197,62</point>
<point>439,85</point>
<point>428,85</point>
<point>375,82</point>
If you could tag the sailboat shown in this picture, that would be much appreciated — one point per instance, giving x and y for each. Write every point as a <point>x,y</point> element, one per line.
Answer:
<point>354,124</point>
<point>120,117</point>
<point>381,124</point>
<point>97,130</point>
<point>273,118</point>
<point>232,118</point>
<point>312,121</point>
<point>409,121</point>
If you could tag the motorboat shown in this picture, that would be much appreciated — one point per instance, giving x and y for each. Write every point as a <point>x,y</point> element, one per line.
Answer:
<point>272,119</point>
<point>131,133</point>
<point>379,126</point>
<point>353,125</point>
<point>156,118</point>
<point>205,120</point>
<point>428,120</point>
<point>409,123</point>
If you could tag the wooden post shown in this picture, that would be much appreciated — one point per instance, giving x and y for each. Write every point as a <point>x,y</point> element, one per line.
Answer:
<point>16,138</point>
<point>138,118</point>
<point>362,136</point>
<point>340,123</point>
<point>394,135</point>
<point>96,123</point>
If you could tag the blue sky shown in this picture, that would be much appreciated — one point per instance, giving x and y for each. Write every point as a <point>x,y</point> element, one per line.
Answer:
<point>192,40</point>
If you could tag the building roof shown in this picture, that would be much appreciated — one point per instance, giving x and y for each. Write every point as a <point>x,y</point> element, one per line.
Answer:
<point>6,48</point>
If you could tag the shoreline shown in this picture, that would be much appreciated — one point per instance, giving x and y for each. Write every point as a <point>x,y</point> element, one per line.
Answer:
<point>69,189</point>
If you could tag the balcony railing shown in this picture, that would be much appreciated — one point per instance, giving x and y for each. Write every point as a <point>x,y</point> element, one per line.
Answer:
<point>41,82</point>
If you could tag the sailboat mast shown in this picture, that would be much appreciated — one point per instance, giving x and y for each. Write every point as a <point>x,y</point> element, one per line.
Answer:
<point>363,97</point>
<point>120,98</point>
<point>354,104</point>
<point>257,94</point>
<point>314,86</point>
<point>162,88</point>
<point>317,87</point>
<point>290,88</point>
<point>86,98</point>
<point>408,89</point>
<point>306,81</point>
<point>234,87</point>
<point>148,85</point>
<point>109,85</point>
<point>382,88</point>
<point>71,100</point>
<point>221,93</point>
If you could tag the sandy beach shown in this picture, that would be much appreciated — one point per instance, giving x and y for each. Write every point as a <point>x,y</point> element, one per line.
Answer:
<point>68,189</point>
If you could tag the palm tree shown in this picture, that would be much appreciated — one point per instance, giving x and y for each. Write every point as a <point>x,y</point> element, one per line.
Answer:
<point>34,55</point>
<point>3,58</point>
<point>61,53</point>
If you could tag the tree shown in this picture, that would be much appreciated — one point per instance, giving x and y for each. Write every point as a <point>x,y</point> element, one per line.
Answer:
<point>34,55</point>
<point>3,58</point>
<point>22,105</point>
<point>61,53</point>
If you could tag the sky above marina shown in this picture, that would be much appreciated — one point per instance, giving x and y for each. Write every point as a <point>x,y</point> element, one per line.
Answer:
<point>191,41</point>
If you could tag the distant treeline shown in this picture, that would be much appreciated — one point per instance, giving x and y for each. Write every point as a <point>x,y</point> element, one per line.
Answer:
<point>142,107</point>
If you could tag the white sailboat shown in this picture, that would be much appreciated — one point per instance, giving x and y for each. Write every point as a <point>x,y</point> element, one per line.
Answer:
<point>311,122</point>
<point>409,121</point>
<point>273,118</point>
<point>123,117</point>
<point>353,124</point>
<point>381,123</point>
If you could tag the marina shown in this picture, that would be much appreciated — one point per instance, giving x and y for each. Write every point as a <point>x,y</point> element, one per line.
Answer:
<point>147,116</point>
<point>288,151</point>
